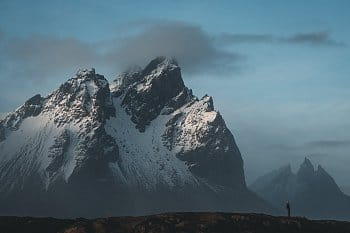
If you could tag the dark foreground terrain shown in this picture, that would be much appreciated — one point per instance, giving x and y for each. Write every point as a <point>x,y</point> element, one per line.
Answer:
<point>173,222</point>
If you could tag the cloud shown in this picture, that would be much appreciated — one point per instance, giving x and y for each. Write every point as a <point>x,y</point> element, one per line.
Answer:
<point>26,62</point>
<point>231,38</point>
<point>311,146</point>
<point>38,58</point>
<point>314,38</point>
<point>194,48</point>
<point>321,38</point>
<point>327,144</point>
<point>41,62</point>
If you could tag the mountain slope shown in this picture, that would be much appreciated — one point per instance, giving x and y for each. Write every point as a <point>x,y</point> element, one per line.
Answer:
<point>312,193</point>
<point>143,144</point>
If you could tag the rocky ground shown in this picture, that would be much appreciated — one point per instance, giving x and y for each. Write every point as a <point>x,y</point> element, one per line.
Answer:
<point>174,222</point>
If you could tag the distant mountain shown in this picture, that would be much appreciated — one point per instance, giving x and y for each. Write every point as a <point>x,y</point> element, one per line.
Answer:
<point>312,193</point>
<point>143,144</point>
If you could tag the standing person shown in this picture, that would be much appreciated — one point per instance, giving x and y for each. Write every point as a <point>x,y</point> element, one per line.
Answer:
<point>288,208</point>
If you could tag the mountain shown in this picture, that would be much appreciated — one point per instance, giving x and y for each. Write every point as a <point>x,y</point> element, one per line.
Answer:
<point>312,193</point>
<point>142,144</point>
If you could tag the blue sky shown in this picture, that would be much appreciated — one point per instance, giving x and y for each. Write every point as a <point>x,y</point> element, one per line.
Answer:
<point>278,70</point>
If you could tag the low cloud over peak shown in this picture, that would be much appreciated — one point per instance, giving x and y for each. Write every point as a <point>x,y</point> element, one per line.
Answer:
<point>194,48</point>
<point>42,58</point>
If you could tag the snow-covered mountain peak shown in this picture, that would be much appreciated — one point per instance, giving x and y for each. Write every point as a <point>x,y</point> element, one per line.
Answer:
<point>207,103</point>
<point>143,143</point>
<point>87,94</point>
<point>161,71</point>
<point>84,73</point>
<point>85,80</point>
<point>156,74</point>
<point>145,93</point>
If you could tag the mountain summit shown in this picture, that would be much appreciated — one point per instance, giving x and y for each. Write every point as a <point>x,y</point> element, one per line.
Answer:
<point>142,144</point>
<point>312,193</point>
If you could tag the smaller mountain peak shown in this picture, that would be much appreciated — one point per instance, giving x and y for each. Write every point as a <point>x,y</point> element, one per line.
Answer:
<point>208,102</point>
<point>307,163</point>
<point>86,84</point>
<point>321,170</point>
<point>88,75</point>
<point>306,166</point>
<point>306,171</point>
<point>325,180</point>
<point>85,72</point>
<point>84,75</point>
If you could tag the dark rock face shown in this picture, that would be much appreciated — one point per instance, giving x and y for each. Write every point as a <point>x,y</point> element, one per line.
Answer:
<point>306,172</point>
<point>2,132</point>
<point>32,107</point>
<point>161,81</point>
<point>125,80</point>
<point>58,151</point>
<point>174,222</point>
<point>144,144</point>
<point>312,193</point>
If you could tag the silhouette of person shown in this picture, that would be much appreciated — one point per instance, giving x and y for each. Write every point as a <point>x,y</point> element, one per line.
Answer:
<point>288,208</point>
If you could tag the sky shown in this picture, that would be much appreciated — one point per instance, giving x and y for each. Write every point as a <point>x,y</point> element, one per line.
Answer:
<point>278,71</point>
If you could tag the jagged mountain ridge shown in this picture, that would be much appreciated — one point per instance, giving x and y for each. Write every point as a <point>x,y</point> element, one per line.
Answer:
<point>311,192</point>
<point>143,144</point>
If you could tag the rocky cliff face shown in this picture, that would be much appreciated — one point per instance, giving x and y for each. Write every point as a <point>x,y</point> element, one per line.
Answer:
<point>312,193</point>
<point>142,144</point>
